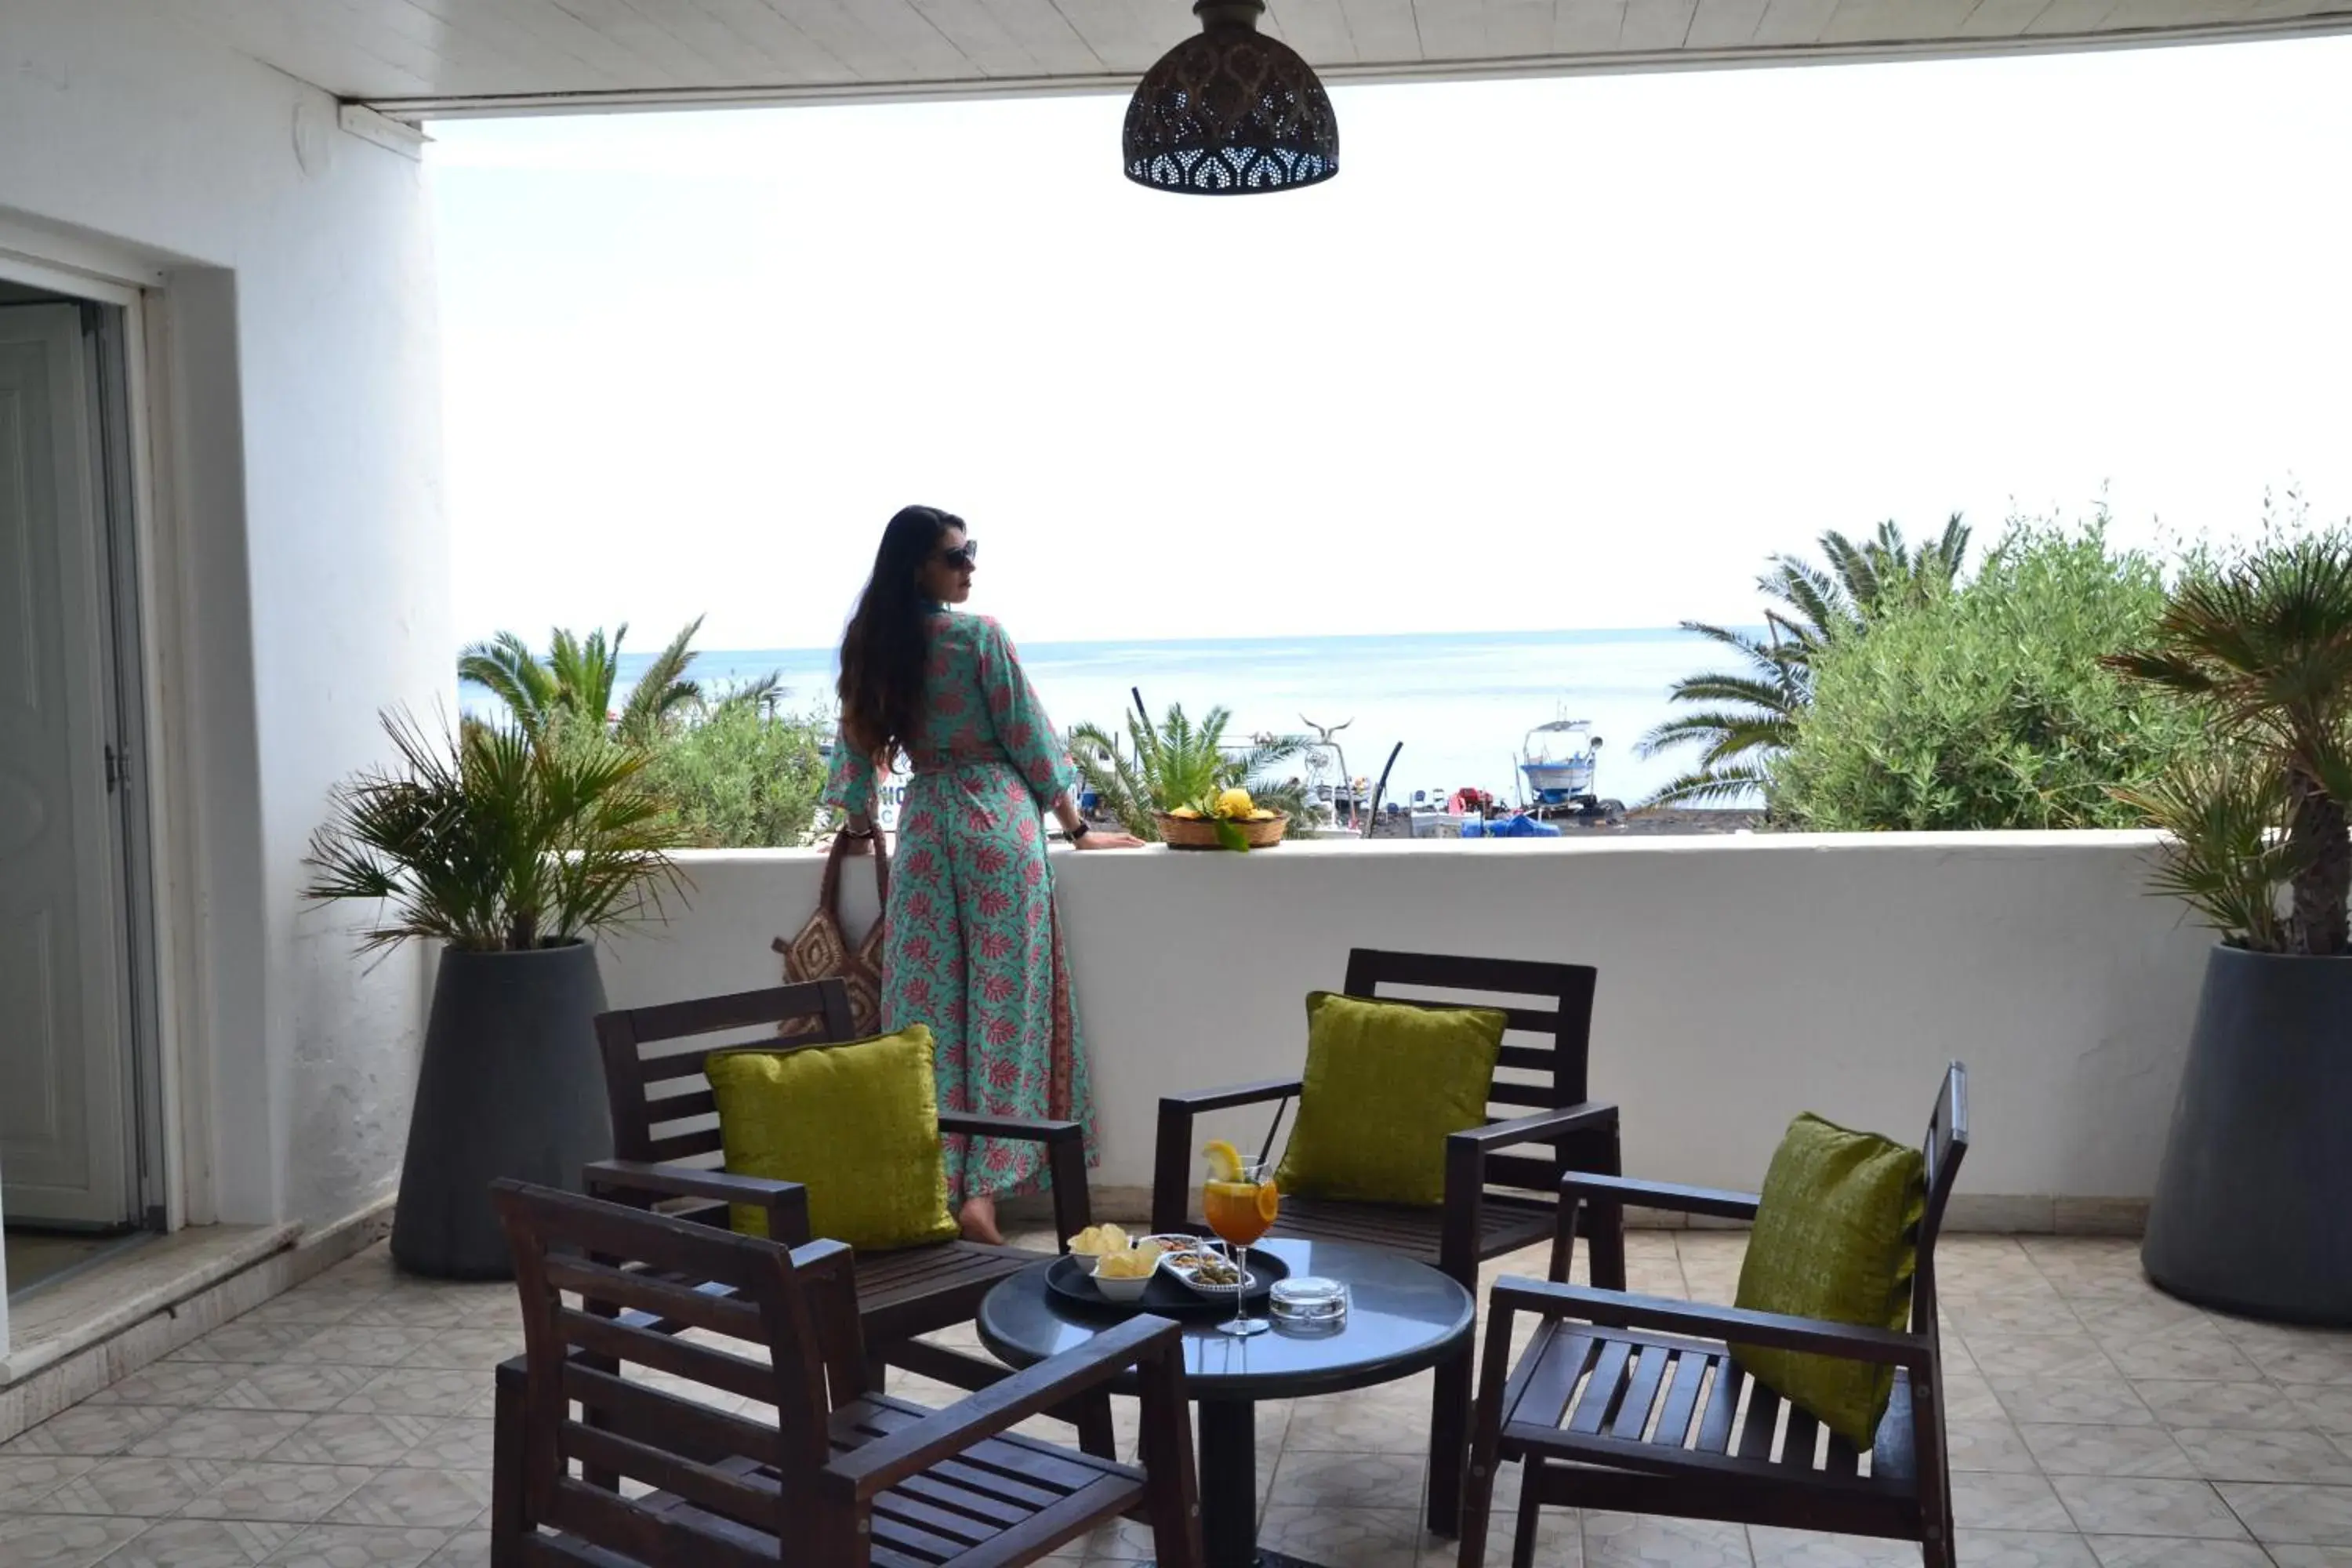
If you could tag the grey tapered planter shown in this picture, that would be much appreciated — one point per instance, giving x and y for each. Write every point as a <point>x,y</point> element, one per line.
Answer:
<point>510,1086</point>
<point>2253,1211</point>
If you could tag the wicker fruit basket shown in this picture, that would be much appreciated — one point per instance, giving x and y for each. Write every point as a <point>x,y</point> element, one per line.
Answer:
<point>1200,832</point>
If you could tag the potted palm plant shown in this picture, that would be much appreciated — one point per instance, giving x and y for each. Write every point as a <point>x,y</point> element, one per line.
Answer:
<point>2250,1212</point>
<point>1176,782</point>
<point>511,851</point>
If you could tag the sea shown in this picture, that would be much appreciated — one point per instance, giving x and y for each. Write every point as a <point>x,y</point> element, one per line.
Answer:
<point>1455,706</point>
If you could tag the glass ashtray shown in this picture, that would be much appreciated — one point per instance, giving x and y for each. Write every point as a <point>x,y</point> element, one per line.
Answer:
<point>1306,1301</point>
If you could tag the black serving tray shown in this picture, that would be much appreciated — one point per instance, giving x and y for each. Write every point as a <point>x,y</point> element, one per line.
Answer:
<point>1166,1296</point>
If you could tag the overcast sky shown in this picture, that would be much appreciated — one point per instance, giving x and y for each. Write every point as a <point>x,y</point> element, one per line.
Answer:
<point>1571,352</point>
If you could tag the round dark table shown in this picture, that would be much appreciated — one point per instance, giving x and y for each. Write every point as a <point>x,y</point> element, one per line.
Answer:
<point>1403,1316</point>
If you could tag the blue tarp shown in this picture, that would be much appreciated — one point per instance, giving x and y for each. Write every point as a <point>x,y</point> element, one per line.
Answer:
<point>1509,827</point>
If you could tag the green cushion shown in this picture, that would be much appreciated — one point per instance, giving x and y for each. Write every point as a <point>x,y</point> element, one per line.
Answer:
<point>1385,1082</point>
<point>1834,1240</point>
<point>856,1123</point>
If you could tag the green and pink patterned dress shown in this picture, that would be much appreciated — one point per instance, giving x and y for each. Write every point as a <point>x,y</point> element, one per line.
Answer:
<point>971,945</point>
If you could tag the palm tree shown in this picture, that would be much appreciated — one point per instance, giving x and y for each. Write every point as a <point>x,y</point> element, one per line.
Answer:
<point>1158,767</point>
<point>575,683</point>
<point>2265,651</point>
<point>1755,712</point>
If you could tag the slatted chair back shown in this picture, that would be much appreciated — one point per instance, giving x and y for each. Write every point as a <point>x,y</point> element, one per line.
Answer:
<point>1946,1144</point>
<point>663,1109</point>
<point>1545,1048</point>
<point>772,1327</point>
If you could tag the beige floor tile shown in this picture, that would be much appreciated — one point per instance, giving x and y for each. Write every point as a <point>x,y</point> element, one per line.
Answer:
<point>246,1341</point>
<point>26,1478</point>
<point>351,1546</point>
<point>2227,1455</point>
<point>1358,1427</point>
<point>2145,1311</point>
<point>412,1307</point>
<point>204,1543</point>
<point>2323,1359</point>
<point>467,1548</point>
<point>62,1541</point>
<point>457,1442</point>
<point>1988,1443</point>
<point>2323,1407</point>
<point>95,1430</point>
<point>2105,1401</point>
<point>443,1500</point>
<point>2292,1512</point>
<point>2193,1352</point>
<point>318,1305</point>
<point>1121,1541</point>
<point>1641,1541</point>
<point>2084,1450</point>
<point>280,1493</point>
<point>137,1487</point>
<point>1358,1538</point>
<point>2023,1548</point>
<point>179,1382</point>
<point>308,1389</point>
<point>2074,1356</point>
<point>1814,1549</point>
<point>469,1350</point>
<point>2239,1405</point>
<point>2156,1552</point>
<point>1983,1501</point>
<point>2311,1556</point>
<point>344,1438</point>
<point>2032,1314</point>
<point>1969,1397</point>
<point>2147,1505</point>
<point>352,1344</point>
<point>421,1391</point>
<point>221,1434</point>
<point>1304,1478</point>
<point>1559,1543</point>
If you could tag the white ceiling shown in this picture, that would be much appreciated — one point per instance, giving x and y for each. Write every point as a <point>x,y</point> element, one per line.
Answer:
<point>418,57</point>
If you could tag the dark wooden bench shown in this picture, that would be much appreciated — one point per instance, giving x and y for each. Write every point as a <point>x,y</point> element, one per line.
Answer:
<point>821,1467</point>
<point>1501,1180</point>
<point>1633,1402</point>
<point>666,1149</point>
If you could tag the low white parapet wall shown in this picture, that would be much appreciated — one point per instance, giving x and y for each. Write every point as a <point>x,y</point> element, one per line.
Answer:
<point>1742,980</point>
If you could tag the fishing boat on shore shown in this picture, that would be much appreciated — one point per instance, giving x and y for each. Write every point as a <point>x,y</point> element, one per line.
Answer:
<point>1558,763</point>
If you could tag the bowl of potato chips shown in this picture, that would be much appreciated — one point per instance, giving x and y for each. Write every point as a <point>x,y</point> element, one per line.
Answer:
<point>1120,1266</point>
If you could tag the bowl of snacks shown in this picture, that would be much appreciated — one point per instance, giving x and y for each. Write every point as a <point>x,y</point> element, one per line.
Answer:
<point>1121,1266</point>
<point>1096,1242</point>
<point>1123,1277</point>
<point>1208,1272</point>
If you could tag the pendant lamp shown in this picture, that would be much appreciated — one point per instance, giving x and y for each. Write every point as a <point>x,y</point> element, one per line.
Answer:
<point>1231,112</point>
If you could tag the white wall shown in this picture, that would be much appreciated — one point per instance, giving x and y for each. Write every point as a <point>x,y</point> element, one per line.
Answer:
<point>312,573</point>
<point>1742,980</point>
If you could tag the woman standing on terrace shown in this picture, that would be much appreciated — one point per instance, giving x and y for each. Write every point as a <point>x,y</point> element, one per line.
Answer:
<point>971,945</point>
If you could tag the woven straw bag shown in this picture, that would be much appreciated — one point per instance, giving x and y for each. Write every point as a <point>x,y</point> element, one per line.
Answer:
<point>822,950</point>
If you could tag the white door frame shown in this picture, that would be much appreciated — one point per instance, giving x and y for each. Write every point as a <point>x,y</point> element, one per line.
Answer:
<point>179,1055</point>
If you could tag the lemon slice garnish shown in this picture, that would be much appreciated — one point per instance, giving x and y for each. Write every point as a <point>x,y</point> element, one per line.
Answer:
<point>1224,1157</point>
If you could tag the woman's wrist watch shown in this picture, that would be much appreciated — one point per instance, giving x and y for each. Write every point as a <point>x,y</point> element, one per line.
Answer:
<point>1080,831</point>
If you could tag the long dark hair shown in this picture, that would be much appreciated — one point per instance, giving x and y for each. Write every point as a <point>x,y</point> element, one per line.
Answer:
<point>887,644</point>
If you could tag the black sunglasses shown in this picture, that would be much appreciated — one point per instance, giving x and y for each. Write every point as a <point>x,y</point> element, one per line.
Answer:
<point>963,555</point>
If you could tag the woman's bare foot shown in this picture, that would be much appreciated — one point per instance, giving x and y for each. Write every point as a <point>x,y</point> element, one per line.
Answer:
<point>977,1220</point>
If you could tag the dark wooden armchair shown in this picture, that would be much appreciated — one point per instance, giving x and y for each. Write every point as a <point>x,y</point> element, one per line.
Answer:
<point>1499,1195</point>
<point>666,1149</point>
<point>596,1465</point>
<point>1633,1402</point>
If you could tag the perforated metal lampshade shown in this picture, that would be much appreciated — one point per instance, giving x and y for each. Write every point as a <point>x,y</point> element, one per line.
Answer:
<point>1231,112</point>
